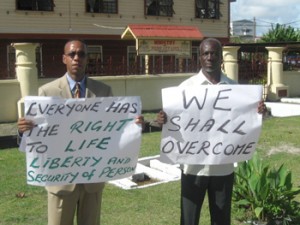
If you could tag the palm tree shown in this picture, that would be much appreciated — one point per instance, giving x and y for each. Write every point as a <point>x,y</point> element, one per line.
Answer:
<point>281,33</point>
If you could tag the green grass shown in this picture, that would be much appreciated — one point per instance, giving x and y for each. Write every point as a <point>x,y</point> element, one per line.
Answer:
<point>157,205</point>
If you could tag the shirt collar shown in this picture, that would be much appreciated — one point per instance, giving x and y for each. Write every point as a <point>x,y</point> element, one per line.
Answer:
<point>72,83</point>
<point>204,80</point>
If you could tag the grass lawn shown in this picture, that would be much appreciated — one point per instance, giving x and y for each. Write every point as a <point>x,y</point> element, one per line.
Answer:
<point>279,143</point>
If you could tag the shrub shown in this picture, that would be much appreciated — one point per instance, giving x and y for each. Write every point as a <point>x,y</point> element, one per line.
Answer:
<point>266,193</point>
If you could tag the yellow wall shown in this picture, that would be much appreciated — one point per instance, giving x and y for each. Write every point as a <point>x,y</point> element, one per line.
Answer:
<point>147,86</point>
<point>10,94</point>
<point>69,17</point>
<point>292,80</point>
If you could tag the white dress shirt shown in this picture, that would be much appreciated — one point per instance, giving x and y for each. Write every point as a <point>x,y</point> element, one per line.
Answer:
<point>207,170</point>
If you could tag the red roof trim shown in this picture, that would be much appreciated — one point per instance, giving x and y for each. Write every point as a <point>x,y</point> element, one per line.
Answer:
<point>143,31</point>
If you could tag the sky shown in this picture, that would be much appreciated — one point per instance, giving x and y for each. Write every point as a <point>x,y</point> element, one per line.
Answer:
<point>267,12</point>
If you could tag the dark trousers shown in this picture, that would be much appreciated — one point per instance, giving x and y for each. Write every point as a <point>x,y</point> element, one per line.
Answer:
<point>193,190</point>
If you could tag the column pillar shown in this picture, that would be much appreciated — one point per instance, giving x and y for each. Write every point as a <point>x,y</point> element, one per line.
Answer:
<point>26,71</point>
<point>146,64</point>
<point>276,88</point>
<point>230,62</point>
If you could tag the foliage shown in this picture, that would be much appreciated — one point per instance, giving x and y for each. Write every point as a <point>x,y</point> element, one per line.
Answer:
<point>281,33</point>
<point>266,192</point>
<point>154,205</point>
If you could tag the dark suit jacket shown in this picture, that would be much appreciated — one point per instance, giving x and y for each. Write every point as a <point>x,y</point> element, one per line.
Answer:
<point>60,87</point>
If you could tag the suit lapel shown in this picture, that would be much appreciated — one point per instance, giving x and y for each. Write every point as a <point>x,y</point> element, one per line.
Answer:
<point>65,91</point>
<point>89,92</point>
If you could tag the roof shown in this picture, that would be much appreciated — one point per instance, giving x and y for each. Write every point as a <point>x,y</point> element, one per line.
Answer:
<point>146,31</point>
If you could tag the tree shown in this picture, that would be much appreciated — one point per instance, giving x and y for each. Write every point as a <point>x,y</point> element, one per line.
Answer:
<point>281,33</point>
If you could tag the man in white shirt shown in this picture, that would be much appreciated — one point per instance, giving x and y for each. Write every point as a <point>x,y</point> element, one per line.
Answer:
<point>216,180</point>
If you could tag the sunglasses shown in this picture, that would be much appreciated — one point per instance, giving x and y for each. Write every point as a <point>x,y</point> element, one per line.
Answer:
<point>80,54</point>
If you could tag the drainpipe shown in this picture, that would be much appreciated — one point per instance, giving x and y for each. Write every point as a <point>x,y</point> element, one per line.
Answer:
<point>276,88</point>
<point>230,62</point>
<point>26,71</point>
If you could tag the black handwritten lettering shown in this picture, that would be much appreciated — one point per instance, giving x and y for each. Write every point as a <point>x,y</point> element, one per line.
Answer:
<point>191,147</point>
<point>70,107</point>
<point>37,146</point>
<point>206,148</point>
<point>95,107</point>
<point>236,130</point>
<point>219,98</point>
<point>183,147</point>
<point>188,103</point>
<point>209,124</point>
<point>221,128</point>
<point>216,147</point>
<point>122,107</point>
<point>29,113</point>
<point>47,131</point>
<point>111,172</point>
<point>192,124</point>
<point>172,121</point>
<point>170,145</point>
<point>134,108</point>
<point>63,109</point>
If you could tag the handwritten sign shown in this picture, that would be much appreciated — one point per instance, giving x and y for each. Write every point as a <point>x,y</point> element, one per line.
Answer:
<point>210,124</point>
<point>81,140</point>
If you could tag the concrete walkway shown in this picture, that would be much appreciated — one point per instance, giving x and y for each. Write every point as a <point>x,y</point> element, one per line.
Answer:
<point>285,108</point>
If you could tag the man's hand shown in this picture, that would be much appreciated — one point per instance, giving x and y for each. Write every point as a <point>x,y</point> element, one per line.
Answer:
<point>24,125</point>
<point>261,109</point>
<point>140,120</point>
<point>161,118</point>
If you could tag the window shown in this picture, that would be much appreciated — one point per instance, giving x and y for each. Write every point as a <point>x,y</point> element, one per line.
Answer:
<point>95,60</point>
<point>207,9</point>
<point>35,5</point>
<point>159,7</point>
<point>102,6</point>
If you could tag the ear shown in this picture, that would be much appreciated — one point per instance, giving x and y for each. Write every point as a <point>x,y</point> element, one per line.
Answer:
<point>64,59</point>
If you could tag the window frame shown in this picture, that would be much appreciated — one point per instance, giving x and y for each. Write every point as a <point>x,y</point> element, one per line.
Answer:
<point>99,6</point>
<point>35,5</point>
<point>160,8</point>
<point>207,9</point>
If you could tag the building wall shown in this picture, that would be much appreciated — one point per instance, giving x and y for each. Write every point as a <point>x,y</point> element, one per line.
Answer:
<point>69,17</point>
<point>243,28</point>
<point>147,86</point>
<point>292,80</point>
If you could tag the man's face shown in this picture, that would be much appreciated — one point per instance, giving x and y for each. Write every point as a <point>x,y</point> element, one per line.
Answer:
<point>210,57</point>
<point>75,59</point>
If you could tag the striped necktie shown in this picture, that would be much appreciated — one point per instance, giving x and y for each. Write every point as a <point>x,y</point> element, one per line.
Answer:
<point>77,90</point>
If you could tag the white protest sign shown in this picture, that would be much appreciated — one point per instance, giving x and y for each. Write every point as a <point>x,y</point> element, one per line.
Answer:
<point>81,140</point>
<point>210,124</point>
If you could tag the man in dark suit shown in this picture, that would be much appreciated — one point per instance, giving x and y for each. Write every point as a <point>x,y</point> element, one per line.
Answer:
<point>84,199</point>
